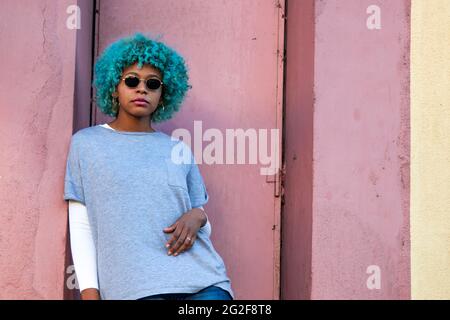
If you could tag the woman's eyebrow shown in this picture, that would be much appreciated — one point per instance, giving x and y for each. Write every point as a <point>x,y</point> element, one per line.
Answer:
<point>137,74</point>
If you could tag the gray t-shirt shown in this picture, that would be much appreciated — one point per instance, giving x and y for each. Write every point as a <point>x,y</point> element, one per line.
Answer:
<point>133,187</point>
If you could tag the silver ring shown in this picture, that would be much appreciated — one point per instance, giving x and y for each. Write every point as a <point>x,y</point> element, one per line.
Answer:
<point>189,239</point>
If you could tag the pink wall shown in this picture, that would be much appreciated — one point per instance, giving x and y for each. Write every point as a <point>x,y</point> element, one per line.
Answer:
<point>347,146</point>
<point>358,130</point>
<point>36,104</point>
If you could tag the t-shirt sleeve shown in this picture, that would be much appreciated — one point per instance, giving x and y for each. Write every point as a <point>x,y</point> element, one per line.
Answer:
<point>73,183</point>
<point>196,186</point>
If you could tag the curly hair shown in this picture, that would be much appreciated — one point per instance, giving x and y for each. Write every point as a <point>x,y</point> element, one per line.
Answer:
<point>142,50</point>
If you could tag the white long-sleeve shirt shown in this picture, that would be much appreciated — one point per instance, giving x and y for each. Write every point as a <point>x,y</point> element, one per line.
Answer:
<point>84,254</point>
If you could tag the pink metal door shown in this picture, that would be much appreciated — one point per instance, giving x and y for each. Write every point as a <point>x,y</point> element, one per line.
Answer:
<point>234,52</point>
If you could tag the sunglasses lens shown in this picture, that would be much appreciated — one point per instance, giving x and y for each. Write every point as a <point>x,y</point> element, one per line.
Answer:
<point>132,82</point>
<point>153,84</point>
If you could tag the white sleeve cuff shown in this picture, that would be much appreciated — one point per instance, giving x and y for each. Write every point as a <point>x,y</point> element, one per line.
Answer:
<point>84,254</point>
<point>207,227</point>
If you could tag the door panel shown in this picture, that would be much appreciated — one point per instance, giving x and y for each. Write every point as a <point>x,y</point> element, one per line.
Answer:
<point>235,67</point>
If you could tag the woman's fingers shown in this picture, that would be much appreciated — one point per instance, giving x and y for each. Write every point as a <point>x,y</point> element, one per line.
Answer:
<point>180,240</point>
<point>170,229</point>
<point>175,236</point>
<point>187,244</point>
<point>183,238</point>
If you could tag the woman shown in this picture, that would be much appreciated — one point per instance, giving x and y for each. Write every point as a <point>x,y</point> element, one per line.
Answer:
<point>137,224</point>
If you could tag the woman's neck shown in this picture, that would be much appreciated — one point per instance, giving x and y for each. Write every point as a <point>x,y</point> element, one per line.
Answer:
<point>131,126</point>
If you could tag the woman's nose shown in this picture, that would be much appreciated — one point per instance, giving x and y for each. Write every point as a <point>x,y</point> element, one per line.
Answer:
<point>141,91</point>
<point>141,87</point>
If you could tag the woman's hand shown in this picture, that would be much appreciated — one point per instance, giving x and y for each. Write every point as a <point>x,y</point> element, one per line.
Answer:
<point>90,294</point>
<point>185,231</point>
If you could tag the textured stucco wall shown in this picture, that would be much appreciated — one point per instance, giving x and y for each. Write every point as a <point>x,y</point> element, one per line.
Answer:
<point>347,151</point>
<point>37,54</point>
<point>361,151</point>
<point>430,149</point>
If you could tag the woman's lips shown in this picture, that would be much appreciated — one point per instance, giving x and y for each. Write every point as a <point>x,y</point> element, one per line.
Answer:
<point>141,103</point>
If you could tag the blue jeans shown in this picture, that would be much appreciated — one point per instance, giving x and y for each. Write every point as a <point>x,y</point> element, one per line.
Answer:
<point>209,293</point>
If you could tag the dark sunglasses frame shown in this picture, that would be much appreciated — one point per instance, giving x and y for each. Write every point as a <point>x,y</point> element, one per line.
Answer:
<point>150,83</point>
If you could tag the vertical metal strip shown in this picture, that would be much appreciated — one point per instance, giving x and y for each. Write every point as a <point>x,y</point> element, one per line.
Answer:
<point>279,126</point>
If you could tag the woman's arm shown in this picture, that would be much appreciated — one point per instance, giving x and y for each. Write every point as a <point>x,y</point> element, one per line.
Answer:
<point>83,251</point>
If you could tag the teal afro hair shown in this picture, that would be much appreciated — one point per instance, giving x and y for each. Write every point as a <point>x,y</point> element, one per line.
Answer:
<point>142,50</point>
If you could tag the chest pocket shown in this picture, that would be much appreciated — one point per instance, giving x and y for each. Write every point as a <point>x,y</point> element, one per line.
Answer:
<point>176,174</point>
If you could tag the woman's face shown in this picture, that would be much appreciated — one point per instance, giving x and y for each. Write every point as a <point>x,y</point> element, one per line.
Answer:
<point>127,95</point>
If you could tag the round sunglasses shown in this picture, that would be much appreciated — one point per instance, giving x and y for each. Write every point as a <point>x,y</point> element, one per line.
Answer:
<point>151,83</point>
